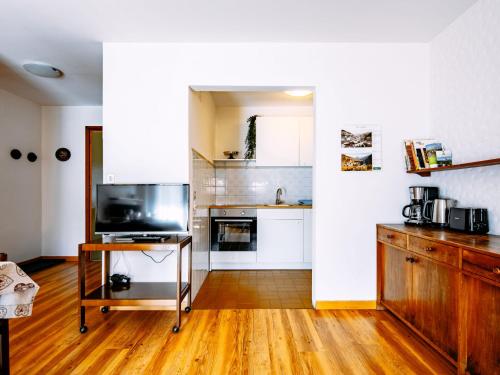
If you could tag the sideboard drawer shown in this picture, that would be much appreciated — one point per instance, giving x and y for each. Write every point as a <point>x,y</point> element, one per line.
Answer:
<point>392,237</point>
<point>484,265</point>
<point>435,250</point>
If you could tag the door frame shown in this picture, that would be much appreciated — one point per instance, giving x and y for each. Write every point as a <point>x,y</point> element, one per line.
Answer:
<point>88,179</point>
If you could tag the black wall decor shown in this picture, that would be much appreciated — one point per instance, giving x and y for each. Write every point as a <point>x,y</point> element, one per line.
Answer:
<point>15,154</point>
<point>63,154</point>
<point>32,157</point>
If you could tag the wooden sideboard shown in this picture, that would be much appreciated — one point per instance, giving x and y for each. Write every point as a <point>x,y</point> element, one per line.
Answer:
<point>445,286</point>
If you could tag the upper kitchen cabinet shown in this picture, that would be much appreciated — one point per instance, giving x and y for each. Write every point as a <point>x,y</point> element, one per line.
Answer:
<point>284,141</point>
<point>306,141</point>
<point>277,141</point>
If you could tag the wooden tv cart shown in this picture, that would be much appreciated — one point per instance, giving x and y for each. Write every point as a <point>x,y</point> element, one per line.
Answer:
<point>139,293</point>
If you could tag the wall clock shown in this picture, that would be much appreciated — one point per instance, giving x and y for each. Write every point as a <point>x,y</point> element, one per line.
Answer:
<point>63,154</point>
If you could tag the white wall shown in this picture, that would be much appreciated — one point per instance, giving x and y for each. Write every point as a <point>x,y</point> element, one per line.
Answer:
<point>231,125</point>
<point>20,196</point>
<point>202,123</point>
<point>146,138</point>
<point>63,183</point>
<point>465,97</point>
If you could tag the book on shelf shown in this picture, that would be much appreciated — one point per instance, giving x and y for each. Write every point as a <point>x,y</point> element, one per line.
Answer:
<point>425,153</point>
<point>410,158</point>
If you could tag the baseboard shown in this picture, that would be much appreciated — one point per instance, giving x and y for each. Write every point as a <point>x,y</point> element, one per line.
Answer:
<point>67,258</point>
<point>216,266</point>
<point>27,261</point>
<point>346,305</point>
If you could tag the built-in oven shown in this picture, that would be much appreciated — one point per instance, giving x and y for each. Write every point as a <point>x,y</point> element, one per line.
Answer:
<point>233,229</point>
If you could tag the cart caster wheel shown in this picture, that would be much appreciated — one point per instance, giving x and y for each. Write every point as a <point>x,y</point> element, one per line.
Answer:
<point>187,309</point>
<point>175,329</point>
<point>105,309</point>
<point>83,329</point>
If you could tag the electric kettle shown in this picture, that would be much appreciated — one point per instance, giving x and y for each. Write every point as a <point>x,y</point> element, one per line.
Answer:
<point>440,211</point>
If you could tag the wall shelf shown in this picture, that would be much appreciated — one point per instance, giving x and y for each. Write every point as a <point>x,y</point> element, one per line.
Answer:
<point>475,164</point>
<point>232,160</point>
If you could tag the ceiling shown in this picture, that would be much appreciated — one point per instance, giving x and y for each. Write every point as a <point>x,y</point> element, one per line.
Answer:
<point>259,99</point>
<point>69,33</point>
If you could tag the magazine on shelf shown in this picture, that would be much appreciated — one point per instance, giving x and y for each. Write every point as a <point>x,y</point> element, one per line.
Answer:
<point>419,145</point>
<point>431,149</point>
<point>444,158</point>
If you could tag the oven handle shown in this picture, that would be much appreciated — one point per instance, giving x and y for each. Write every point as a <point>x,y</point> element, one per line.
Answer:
<point>233,220</point>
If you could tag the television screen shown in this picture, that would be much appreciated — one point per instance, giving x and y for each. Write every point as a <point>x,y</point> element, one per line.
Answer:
<point>142,208</point>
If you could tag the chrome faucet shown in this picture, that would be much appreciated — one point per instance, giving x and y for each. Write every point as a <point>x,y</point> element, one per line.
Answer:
<point>279,192</point>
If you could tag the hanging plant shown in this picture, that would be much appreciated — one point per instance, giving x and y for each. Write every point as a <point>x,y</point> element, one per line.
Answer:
<point>250,141</point>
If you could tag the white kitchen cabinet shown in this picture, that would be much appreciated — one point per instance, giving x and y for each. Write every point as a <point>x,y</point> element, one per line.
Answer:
<point>285,141</point>
<point>306,141</point>
<point>307,236</point>
<point>277,141</point>
<point>280,238</point>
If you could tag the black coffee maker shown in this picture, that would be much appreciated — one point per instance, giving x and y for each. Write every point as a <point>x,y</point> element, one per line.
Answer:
<point>415,210</point>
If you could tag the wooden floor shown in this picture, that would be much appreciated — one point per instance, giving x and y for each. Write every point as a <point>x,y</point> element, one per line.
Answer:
<point>245,341</point>
<point>269,289</point>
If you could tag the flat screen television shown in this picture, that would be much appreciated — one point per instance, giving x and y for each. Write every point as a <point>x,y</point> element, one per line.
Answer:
<point>142,209</point>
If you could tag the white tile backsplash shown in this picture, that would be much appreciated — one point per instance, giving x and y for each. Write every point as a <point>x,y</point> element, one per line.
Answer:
<point>258,185</point>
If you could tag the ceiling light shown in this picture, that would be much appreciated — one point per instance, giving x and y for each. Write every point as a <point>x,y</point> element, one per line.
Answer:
<point>298,92</point>
<point>42,70</point>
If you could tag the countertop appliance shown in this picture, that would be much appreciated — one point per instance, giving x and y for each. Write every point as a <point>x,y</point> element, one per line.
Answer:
<point>471,220</point>
<point>233,229</point>
<point>418,196</point>
<point>439,211</point>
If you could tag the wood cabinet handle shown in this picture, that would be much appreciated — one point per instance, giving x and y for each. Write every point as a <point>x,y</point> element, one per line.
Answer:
<point>389,236</point>
<point>411,259</point>
<point>429,249</point>
<point>496,270</point>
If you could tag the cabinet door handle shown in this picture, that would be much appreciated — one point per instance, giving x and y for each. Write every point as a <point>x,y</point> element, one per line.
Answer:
<point>429,249</point>
<point>389,236</point>
<point>411,259</point>
<point>496,270</point>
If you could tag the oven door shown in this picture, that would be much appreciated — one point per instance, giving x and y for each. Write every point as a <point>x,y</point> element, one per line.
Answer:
<point>234,234</point>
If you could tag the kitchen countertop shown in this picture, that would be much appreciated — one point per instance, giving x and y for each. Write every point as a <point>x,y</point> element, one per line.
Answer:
<point>485,243</point>
<point>223,206</point>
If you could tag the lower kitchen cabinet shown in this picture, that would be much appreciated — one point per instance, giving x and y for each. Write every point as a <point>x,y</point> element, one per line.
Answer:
<point>423,293</point>
<point>280,241</point>
<point>308,236</point>
<point>482,326</point>
<point>445,290</point>
<point>396,287</point>
<point>435,303</point>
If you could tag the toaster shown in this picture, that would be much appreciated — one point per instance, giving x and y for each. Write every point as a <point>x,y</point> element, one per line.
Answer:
<point>470,220</point>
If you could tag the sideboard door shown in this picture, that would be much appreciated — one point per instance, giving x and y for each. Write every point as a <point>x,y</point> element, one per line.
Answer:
<point>482,306</point>
<point>396,283</point>
<point>435,304</point>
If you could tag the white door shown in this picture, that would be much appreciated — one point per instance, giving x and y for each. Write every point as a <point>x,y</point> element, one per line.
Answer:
<point>306,136</point>
<point>277,141</point>
<point>280,241</point>
<point>307,235</point>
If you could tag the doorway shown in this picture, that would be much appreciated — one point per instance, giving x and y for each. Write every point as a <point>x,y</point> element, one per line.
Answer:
<point>276,181</point>
<point>93,176</point>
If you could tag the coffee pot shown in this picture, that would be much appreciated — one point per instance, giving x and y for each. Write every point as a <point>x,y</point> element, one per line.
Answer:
<point>439,210</point>
<point>414,211</point>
